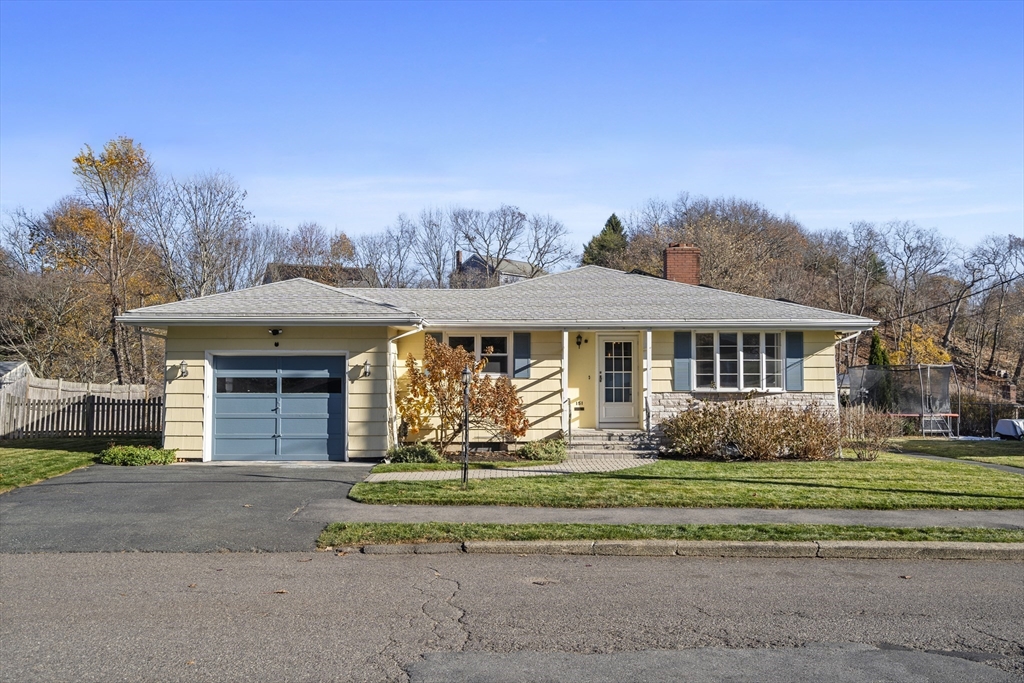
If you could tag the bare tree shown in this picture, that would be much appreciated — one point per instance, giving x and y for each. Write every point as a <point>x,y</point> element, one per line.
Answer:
<point>494,236</point>
<point>198,227</point>
<point>912,256</point>
<point>310,245</point>
<point>434,246</point>
<point>547,244</point>
<point>262,244</point>
<point>389,254</point>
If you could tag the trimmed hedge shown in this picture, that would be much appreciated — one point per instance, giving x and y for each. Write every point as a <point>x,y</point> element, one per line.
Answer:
<point>420,451</point>
<point>548,449</point>
<point>137,455</point>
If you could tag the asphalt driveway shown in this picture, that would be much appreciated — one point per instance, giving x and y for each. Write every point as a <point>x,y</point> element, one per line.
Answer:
<point>178,508</point>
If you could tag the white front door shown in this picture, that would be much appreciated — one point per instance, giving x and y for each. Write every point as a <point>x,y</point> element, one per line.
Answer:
<point>617,389</point>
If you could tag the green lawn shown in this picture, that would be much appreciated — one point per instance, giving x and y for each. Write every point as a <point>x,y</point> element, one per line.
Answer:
<point>342,534</point>
<point>435,466</point>
<point>999,452</point>
<point>26,461</point>
<point>891,482</point>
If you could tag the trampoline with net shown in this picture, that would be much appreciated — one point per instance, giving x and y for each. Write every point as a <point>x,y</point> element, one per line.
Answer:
<point>911,391</point>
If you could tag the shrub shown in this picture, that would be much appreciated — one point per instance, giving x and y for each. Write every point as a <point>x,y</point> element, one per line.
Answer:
<point>137,455</point>
<point>700,432</point>
<point>420,451</point>
<point>753,431</point>
<point>758,432</point>
<point>812,434</point>
<point>548,449</point>
<point>868,432</point>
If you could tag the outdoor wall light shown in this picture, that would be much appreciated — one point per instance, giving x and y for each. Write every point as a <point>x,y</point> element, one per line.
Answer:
<point>276,331</point>
<point>579,341</point>
<point>183,369</point>
<point>366,369</point>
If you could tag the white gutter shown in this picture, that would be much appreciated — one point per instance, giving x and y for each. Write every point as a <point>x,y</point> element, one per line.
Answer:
<point>838,342</point>
<point>596,325</point>
<point>280,321</point>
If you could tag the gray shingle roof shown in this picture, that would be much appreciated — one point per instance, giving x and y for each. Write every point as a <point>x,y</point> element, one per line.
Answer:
<point>589,296</point>
<point>290,300</point>
<point>601,296</point>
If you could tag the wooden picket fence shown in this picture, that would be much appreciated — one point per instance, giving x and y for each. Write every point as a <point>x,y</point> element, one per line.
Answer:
<point>24,418</point>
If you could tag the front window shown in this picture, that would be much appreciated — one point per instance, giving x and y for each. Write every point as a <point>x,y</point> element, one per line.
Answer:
<point>738,361</point>
<point>494,349</point>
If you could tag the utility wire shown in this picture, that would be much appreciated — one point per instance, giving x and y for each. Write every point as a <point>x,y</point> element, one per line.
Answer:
<point>946,303</point>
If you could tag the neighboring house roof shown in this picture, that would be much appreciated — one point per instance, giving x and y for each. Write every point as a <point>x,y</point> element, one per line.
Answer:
<point>296,301</point>
<point>9,367</point>
<point>507,266</point>
<point>336,276</point>
<point>591,296</point>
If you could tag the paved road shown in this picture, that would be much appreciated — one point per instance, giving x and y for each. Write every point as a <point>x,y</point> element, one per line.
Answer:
<point>323,617</point>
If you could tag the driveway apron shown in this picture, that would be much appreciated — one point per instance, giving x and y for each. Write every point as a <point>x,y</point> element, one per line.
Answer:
<point>178,508</point>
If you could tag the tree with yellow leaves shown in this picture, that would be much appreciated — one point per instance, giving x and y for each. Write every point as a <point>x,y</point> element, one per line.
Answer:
<point>919,348</point>
<point>94,232</point>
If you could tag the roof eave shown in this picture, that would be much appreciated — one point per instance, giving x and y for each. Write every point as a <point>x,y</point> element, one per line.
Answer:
<point>319,321</point>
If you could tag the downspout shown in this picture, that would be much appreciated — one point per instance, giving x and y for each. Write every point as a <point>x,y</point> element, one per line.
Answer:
<point>648,377</point>
<point>392,381</point>
<point>838,410</point>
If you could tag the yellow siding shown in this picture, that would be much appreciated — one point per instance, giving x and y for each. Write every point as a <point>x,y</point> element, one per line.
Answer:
<point>663,343</point>
<point>367,396</point>
<point>541,393</point>
<point>819,362</point>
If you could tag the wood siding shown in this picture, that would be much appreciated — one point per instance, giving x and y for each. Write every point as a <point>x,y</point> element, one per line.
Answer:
<point>367,396</point>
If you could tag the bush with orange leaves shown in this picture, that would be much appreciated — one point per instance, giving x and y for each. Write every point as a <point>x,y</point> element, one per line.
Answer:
<point>432,396</point>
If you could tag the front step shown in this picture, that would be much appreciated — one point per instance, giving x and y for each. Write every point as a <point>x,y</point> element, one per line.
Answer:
<point>614,444</point>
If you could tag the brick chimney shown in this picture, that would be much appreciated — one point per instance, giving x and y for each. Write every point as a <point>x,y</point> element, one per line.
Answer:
<point>682,263</point>
<point>458,261</point>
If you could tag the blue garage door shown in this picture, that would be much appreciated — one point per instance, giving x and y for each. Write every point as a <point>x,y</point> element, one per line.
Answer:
<point>279,408</point>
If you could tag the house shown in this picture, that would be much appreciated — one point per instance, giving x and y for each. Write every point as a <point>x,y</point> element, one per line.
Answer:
<point>299,370</point>
<point>477,271</point>
<point>337,276</point>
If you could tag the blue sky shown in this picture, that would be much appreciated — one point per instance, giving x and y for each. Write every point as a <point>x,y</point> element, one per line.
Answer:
<point>348,113</point>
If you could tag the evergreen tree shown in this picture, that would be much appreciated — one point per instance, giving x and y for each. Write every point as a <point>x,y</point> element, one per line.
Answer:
<point>608,247</point>
<point>878,355</point>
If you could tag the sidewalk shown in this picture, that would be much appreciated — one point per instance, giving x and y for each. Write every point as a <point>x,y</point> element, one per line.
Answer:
<point>580,466</point>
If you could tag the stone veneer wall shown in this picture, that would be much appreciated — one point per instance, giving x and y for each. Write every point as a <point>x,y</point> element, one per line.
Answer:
<point>667,404</point>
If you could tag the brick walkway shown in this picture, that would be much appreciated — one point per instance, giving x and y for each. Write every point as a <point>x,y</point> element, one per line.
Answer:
<point>567,467</point>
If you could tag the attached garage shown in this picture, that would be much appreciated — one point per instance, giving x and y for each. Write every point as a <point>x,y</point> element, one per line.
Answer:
<point>279,408</point>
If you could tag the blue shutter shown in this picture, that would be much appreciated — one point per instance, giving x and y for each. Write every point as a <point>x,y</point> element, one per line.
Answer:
<point>521,355</point>
<point>682,361</point>
<point>794,361</point>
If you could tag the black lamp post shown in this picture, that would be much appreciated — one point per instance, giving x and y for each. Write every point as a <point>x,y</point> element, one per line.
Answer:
<point>467,376</point>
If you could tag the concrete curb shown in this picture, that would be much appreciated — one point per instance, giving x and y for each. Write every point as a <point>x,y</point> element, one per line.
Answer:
<point>830,550</point>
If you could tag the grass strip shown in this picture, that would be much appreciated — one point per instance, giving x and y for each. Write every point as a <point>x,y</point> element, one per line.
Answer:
<point>964,448</point>
<point>362,533</point>
<point>27,461</point>
<point>893,482</point>
<point>1011,460</point>
<point>447,466</point>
